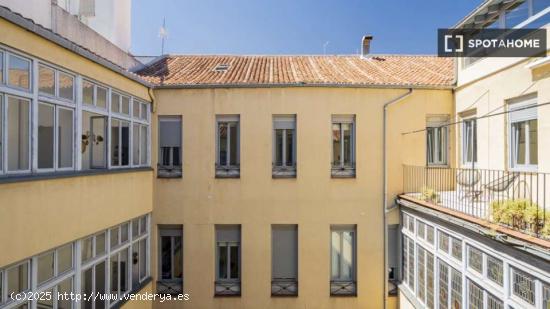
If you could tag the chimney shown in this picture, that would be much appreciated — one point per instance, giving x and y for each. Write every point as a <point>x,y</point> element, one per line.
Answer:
<point>365,47</point>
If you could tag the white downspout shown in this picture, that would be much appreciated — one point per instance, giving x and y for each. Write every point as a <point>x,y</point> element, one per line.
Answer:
<point>385,184</point>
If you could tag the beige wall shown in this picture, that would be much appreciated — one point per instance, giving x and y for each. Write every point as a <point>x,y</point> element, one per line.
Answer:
<point>489,95</point>
<point>36,216</point>
<point>313,200</point>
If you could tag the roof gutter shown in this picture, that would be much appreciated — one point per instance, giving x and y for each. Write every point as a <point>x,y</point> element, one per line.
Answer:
<point>316,85</point>
<point>385,185</point>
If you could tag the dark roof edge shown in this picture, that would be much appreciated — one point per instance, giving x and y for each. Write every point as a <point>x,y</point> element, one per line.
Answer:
<point>313,85</point>
<point>49,35</point>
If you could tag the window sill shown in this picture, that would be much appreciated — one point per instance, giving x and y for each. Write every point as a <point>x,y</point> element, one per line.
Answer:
<point>227,289</point>
<point>172,172</point>
<point>228,172</point>
<point>13,178</point>
<point>284,288</point>
<point>170,287</point>
<point>343,288</point>
<point>283,173</point>
<point>342,173</point>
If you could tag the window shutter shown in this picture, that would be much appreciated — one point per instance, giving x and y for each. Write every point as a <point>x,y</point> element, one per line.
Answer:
<point>285,122</point>
<point>437,120</point>
<point>519,110</point>
<point>228,233</point>
<point>284,252</point>
<point>170,131</point>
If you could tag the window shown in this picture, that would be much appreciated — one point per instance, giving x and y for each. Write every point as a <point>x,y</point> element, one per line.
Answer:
<point>18,278</point>
<point>139,144</point>
<point>425,277</point>
<point>475,259</point>
<point>523,133</point>
<point>94,141</point>
<point>284,260</point>
<point>421,273</point>
<point>54,263</point>
<point>443,285</point>
<point>495,270</point>
<point>437,136</point>
<point>18,133</point>
<point>284,146</point>
<point>93,94</point>
<point>523,286</point>
<point>119,272</point>
<point>228,260</point>
<point>120,142</point>
<point>343,146</point>
<point>475,296</point>
<point>170,260</point>
<point>55,127</point>
<point>545,295</point>
<point>443,242</point>
<point>170,146</point>
<point>494,303</point>
<point>456,248</point>
<point>139,262</point>
<point>405,260</point>
<point>46,80</point>
<point>227,146</point>
<point>420,229</point>
<point>66,86</point>
<point>19,71</point>
<point>430,280</point>
<point>430,234</point>
<point>93,246</point>
<point>1,82</point>
<point>94,281</point>
<point>410,259</point>
<point>125,105</point>
<point>456,289</point>
<point>469,142</point>
<point>115,102</point>
<point>144,115</point>
<point>393,256</point>
<point>343,260</point>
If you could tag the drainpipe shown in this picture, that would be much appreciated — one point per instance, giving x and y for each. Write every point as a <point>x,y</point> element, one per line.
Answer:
<point>385,184</point>
<point>152,97</point>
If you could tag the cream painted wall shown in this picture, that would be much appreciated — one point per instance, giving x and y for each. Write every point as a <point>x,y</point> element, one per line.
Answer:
<point>39,215</point>
<point>313,200</point>
<point>489,95</point>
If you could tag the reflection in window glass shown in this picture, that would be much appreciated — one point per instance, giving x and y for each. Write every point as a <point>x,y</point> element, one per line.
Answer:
<point>143,147</point>
<point>18,134</point>
<point>87,287</point>
<point>126,105</point>
<point>65,138</point>
<point>124,233</point>
<point>475,259</point>
<point>144,111</point>
<point>45,267</point>
<point>46,80</point>
<point>66,86</point>
<point>94,141</point>
<point>101,94</point>
<point>124,270</point>
<point>64,258</point>
<point>114,273</point>
<point>87,92</point>
<point>45,136</point>
<point>18,278</point>
<point>135,109</point>
<point>115,102</point>
<point>19,72</point>
<point>87,249</point>
<point>100,244</point>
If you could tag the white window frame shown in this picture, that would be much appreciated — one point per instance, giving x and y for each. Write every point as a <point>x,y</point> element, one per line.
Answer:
<point>56,95</point>
<point>285,123</point>
<point>522,109</point>
<point>339,120</point>
<point>469,140</point>
<point>5,139</point>
<point>228,120</point>
<point>172,233</point>
<point>55,166</point>
<point>341,230</point>
<point>170,118</point>
<point>7,59</point>
<point>437,123</point>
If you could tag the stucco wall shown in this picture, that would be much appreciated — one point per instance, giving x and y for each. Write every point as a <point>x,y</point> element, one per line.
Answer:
<point>313,200</point>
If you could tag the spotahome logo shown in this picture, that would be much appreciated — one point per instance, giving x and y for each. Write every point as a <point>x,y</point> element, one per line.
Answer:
<point>491,42</point>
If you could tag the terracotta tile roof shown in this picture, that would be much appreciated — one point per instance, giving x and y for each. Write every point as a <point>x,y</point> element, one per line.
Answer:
<point>345,71</point>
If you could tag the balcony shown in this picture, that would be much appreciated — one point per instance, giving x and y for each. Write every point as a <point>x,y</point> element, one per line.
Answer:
<point>507,202</point>
<point>284,287</point>
<point>227,288</point>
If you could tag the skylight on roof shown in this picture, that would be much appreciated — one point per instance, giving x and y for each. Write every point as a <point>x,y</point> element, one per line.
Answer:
<point>221,68</point>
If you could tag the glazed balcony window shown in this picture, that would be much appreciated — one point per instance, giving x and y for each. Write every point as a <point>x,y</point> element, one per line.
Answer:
<point>227,146</point>
<point>437,136</point>
<point>343,261</point>
<point>170,260</point>
<point>170,141</point>
<point>228,260</point>
<point>284,146</point>
<point>343,146</point>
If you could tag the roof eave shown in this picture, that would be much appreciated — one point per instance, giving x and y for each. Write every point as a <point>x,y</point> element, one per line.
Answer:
<point>310,85</point>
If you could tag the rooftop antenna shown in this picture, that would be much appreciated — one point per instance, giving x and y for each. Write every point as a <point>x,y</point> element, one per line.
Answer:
<point>325,47</point>
<point>163,33</point>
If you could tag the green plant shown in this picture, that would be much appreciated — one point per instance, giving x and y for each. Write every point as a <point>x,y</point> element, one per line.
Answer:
<point>429,195</point>
<point>521,214</point>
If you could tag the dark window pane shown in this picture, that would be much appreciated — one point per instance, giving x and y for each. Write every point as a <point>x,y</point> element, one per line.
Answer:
<point>100,284</point>
<point>176,156</point>
<point>234,144</point>
<point>234,266</point>
<point>125,142</point>
<point>100,244</point>
<point>222,262</point>
<point>143,254</point>
<point>87,287</point>
<point>115,142</point>
<point>65,287</point>
<point>166,257</point>
<point>45,267</point>
<point>114,273</point>
<point>18,134</point>
<point>65,138</point>
<point>64,258</point>
<point>178,258</point>
<point>45,135</point>
<point>533,142</point>
<point>290,148</point>
<point>336,140</point>
<point>279,147</point>
<point>347,132</point>
<point>124,266</point>
<point>222,143</point>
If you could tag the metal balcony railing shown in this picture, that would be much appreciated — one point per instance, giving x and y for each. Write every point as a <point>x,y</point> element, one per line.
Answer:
<point>227,288</point>
<point>516,200</point>
<point>170,287</point>
<point>343,288</point>
<point>284,287</point>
